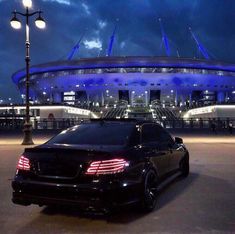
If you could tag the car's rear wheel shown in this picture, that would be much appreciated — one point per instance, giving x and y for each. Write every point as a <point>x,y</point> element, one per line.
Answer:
<point>149,199</point>
<point>184,166</point>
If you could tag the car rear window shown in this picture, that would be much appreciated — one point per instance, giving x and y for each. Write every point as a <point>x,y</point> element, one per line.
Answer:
<point>95,134</point>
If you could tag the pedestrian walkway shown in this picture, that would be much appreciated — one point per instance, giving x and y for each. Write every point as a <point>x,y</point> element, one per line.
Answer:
<point>16,139</point>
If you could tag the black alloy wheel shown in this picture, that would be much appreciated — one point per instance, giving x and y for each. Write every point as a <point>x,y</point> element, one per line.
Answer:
<point>150,192</point>
<point>184,166</point>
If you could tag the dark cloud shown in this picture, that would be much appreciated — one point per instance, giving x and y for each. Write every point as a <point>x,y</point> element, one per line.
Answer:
<point>138,30</point>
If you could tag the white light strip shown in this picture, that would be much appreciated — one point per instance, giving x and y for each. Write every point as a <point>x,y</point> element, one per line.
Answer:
<point>207,109</point>
<point>37,107</point>
<point>225,106</point>
<point>71,110</point>
<point>34,107</point>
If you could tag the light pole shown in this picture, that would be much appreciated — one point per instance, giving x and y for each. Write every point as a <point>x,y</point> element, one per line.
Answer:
<point>16,24</point>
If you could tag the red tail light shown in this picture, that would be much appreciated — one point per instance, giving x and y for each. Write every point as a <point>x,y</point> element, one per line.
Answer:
<point>107,167</point>
<point>23,163</point>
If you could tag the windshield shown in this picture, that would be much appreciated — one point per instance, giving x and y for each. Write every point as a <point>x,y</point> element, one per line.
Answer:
<point>95,134</point>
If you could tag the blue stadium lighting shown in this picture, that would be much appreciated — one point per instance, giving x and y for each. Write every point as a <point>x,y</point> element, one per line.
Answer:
<point>201,48</point>
<point>75,48</point>
<point>165,39</point>
<point>107,79</point>
<point>111,42</point>
<point>123,63</point>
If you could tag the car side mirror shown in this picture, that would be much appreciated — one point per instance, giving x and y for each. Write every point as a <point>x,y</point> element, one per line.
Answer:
<point>178,140</point>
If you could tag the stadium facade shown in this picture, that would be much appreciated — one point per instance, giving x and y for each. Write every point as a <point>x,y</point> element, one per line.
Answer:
<point>132,80</point>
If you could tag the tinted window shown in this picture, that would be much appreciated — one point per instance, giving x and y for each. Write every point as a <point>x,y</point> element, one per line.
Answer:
<point>95,134</point>
<point>135,137</point>
<point>150,133</point>
<point>155,133</point>
<point>165,136</point>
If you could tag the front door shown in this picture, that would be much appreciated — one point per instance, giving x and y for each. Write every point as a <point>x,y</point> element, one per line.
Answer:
<point>157,153</point>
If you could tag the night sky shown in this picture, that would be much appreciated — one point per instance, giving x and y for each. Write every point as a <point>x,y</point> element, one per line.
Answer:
<point>138,31</point>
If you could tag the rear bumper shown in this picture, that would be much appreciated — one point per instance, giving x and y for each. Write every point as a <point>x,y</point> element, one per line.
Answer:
<point>95,196</point>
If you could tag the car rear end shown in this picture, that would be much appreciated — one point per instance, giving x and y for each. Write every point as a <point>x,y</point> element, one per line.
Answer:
<point>91,177</point>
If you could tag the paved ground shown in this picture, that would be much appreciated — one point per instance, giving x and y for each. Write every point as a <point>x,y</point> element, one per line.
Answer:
<point>189,135</point>
<point>202,203</point>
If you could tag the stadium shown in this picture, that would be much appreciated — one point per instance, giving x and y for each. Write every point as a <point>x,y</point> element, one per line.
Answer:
<point>163,86</point>
<point>134,80</point>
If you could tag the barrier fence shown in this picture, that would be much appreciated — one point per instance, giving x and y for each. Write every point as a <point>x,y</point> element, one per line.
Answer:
<point>214,124</point>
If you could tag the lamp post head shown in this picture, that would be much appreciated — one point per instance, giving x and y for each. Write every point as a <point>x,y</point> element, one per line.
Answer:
<point>40,22</point>
<point>15,23</point>
<point>27,3</point>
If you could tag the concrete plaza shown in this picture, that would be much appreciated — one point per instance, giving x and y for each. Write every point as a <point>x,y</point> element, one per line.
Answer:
<point>202,203</point>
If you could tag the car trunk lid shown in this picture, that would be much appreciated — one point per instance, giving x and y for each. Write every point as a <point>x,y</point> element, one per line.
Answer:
<point>65,162</point>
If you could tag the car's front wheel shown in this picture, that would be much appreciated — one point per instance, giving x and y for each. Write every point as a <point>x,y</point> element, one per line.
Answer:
<point>149,199</point>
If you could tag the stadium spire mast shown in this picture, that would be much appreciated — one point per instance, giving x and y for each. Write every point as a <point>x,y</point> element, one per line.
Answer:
<point>75,48</point>
<point>201,48</point>
<point>164,38</point>
<point>110,48</point>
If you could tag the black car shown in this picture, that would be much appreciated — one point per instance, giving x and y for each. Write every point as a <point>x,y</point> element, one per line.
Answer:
<point>100,165</point>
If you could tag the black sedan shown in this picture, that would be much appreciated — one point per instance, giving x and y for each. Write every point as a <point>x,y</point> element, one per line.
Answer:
<point>100,165</point>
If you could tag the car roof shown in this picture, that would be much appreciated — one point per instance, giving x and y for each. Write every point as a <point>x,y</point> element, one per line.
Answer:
<point>130,120</point>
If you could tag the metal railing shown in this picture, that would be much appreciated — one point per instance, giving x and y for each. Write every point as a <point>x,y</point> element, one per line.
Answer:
<point>13,123</point>
<point>217,123</point>
<point>210,123</point>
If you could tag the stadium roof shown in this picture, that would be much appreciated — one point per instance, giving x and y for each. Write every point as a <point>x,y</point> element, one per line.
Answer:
<point>125,62</point>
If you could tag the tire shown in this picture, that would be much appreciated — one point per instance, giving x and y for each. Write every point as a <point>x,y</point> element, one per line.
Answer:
<point>149,197</point>
<point>184,166</point>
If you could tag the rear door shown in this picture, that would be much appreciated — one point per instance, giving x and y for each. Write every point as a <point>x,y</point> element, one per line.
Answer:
<point>157,153</point>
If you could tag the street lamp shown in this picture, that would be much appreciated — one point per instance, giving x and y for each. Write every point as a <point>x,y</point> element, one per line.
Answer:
<point>27,3</point>
<point>16,24</point>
